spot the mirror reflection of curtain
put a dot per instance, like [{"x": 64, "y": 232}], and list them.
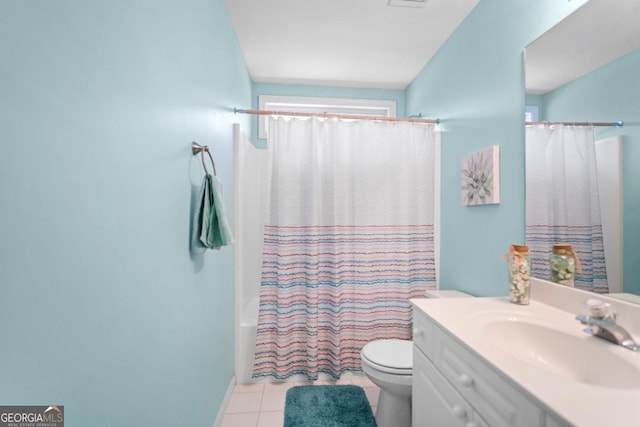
[
  {"x": 349, "y": 239},
  {"x": 562, "y": 201}
]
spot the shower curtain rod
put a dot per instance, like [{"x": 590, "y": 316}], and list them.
[
  {"x": 617, "y": 124},
  {"x": 335, "y": 115}
]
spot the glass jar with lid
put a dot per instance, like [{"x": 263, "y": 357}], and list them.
[
  {"x": 564, "y": 264},
  {"x": 519, "y": 263}
]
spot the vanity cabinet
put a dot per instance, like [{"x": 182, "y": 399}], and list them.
[
  {"x": 437, "y": 402},
  {"x": 452, "y": 386}
]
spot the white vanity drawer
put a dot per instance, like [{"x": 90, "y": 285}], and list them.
[
  {"x": 497, "y": 401},
  {"x": 423, "y": 333},
  {"x": 436, "y": 402}
]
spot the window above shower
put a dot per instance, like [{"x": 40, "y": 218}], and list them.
[{"x": 319, "y": 105}]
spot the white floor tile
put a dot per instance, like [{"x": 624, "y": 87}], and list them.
[
  {"x": 271, "y": 419},
  {"x": 240, "y": 420},
  {"x": 273, "y": 401},
  {"x": 363, "y": 382},
  {"x": 278, "y": 386},
  {"x": 372, "y": 395},
  {"x": 262, "y": 404},
  {"x": 249, "y": 388},
  {"x": 244, "y": 402},
  {"x": 350, "y": 375},
  {"x": 325, "y": 382}
]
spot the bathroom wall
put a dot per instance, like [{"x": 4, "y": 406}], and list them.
[
  {"x": 103, "y": 308},
  {"x": 475, "y": 85},
  {"x": 322, "y": 91},
  {"x": 611, "y": 93},
  {"x": 534, "y": 102}
]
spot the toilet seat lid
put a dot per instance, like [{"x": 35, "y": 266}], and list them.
[{"x": 390, "y": 353}]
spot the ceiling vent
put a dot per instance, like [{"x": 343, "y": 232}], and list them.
[{"x": 406, "y": 3}]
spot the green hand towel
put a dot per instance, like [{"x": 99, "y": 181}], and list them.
[{"x": 211, "y": 228}]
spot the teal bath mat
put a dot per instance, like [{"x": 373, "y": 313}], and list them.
[{"x": 327, "y": 406}]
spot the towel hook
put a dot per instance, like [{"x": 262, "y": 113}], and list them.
[{"x": 197, "y": 148}]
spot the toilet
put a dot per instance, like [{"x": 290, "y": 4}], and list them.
[{"x": 388, "y": 363}]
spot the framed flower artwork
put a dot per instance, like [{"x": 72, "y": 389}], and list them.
[{"x": 481, "y": 177}]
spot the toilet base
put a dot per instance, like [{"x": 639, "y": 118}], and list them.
[{"x": 393, "y": 410}]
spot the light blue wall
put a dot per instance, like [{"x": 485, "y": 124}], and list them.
[
  {"x": 322, "y": 91},
  {"x": 475, "y": 85},
  {"x": 536, "y": 100},
  {"x": 103, "y": 309},
  {"x": 611, "y": 93},
  {"x": 534, "y": 104}
]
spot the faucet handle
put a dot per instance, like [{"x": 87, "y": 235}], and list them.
[
  {"x": 582, "y": 319},
  {"x": 599, "y": 308}
]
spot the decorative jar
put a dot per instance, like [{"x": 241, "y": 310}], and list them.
[
  {"x": 519, "y": 263},
  {"x": 564, "y": 263}
]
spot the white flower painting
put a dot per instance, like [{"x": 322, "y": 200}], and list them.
[{"x": 481, "y": 177}]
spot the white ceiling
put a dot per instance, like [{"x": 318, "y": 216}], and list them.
[
  {"x": 367, "y": 43},
  {"x": 595, "y": 34},
  {"x": 357, "y": 43}
]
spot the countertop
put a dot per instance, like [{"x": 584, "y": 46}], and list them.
[{"x": 577, "y": 402}]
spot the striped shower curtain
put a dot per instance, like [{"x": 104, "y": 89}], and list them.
[
  {"x": 562, "y": 201},
  {"x": 349, "y": 239}
]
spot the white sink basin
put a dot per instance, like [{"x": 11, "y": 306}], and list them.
[{"x": 578, "y": 358}]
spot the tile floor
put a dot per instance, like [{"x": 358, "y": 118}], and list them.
[{"x": 262, "y": 405}]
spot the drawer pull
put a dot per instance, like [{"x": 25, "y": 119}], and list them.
[
  {"x": 465, "y": 380},
  {"x": 417, "y": 333},
  {"x": 458, "y": 412}
]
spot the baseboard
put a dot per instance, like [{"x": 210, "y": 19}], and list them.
[{"x": 225, "y": 403}]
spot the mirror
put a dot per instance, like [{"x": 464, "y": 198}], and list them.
[{"x": 585, "y": 70}]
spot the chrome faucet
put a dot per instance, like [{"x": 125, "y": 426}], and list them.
[{"x": 602, "y": 324}]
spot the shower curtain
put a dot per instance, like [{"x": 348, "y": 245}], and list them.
[
  {"x": 562, "y": 201},
  {"x": 349, "y": 238}
]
